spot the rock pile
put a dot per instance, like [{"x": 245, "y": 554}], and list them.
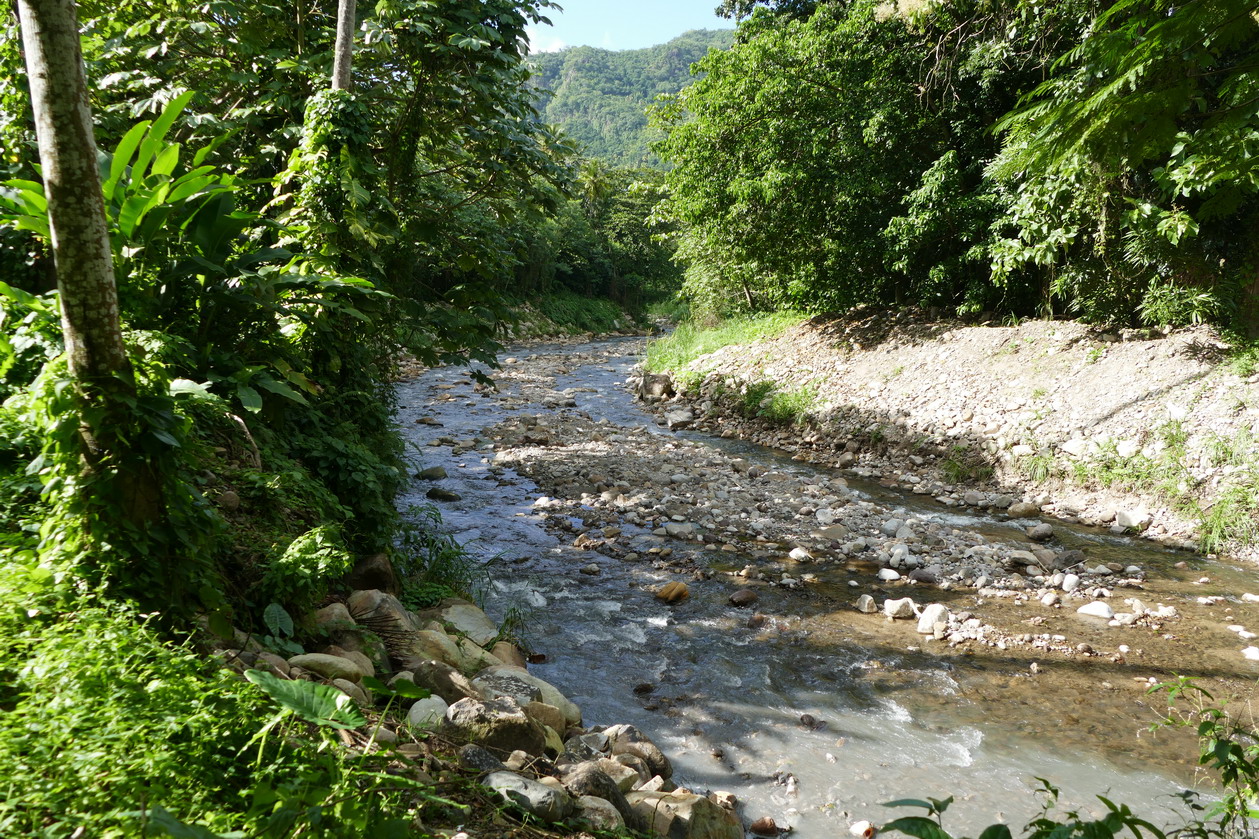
[{"x": 523, "y": 738}]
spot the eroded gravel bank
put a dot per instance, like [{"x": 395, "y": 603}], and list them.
[{"x": 1043, "y": 412}]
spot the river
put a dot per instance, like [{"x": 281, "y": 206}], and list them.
[{"x": 817, "y": 714}]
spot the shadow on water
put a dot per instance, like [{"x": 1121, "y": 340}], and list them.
[{"x": 890, "y": 717}]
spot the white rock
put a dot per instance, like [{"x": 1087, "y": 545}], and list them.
[
  {"x": 1070, "y": 583},
  {"x": 887, "y": 575},
  {"x": 1250, "y": 598},
  {"x": 866, "y": 604},
  {"x": 931, "y": 615},
  {"x": 799, "y": 554},
  {"x": 1251, "y": 653},
  {"x": 1097, "y": 609},
  {"x": 1051, "y": 599},
  {"x": 1133, "y": 519},
  {"x": 1076, "y": 447},
  {"x": 902, "y": 608}
]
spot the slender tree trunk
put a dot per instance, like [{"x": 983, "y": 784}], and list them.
[
  {"x": 80, "y": 244},
  {"x": 76, "y": 210},
  {"x": 345, "y": 45}
]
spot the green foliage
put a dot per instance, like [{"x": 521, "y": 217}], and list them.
[
  {"x": 300, "y": 574},
  {"x": 432, "y": 565},
  {"x": 316, "y": 703},
  {"x": 580, "y": 314},
  {"x": 691, "y": 340},
  {"x": 1132, "y": 168},
  {"x": 965, "y": 464},
  {"x": 788, "y": 407},
  {"x": 599, "y": 98}
]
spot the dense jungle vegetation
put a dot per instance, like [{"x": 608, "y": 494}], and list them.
[
  {"x": 277, "y": 245},
  {"x": 600, "y": 97},
  {"x": 1081, "y": 158}
]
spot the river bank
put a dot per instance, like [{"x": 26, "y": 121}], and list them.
[
  {"x": 1141, "y": 431},
  {"x": 767, "y": 679}
]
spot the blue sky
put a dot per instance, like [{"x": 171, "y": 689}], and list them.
[{"x": 623, "y": 24}]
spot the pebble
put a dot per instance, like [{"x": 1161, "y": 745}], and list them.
[{"x": 744, "y": 597}]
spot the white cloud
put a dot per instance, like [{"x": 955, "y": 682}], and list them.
[{"x": 542, "y": 42}]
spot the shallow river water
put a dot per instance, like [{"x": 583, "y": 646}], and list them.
[{"x": 726, "y": 701}]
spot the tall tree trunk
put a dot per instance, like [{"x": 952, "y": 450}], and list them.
[
  {"x": 76, "y": 210},
  {"x": 345, "y": 45},
  {"x": 81, "y": 254}
]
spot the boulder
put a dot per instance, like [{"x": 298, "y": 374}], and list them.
[
  {"x": 901, "y": 609},
  {"x": 466, "y": 619},
  {"x": 364, "y": 663},
  {"x": 380, "y": 611},
  {"x": 599, "y": 814},
  {"x": 426, "y": 713},
  {"x": 373, "y": 572},
  {"x": 1097, "y": 609},
  {"x": 547, "y": 715},
  {"x": 588, "y": 779},
  {"x": 496, "y": 724},
  {"x": 673, "y": 592},
  {"x": 931, "y": 615},
  {"x": 508, "y": 653},
  {"x": 439, "y": 679},
  {"x": 537, "y": 799},
  {"x": 479, "y": 759},
  {"x": 1040, "y": 532},
  {"x": 547, "y": 692},
  {"x": 679, "y": 418},
  {"x": 461, "y": 654},
  {"x": 328, "y": 666},
  {"x": 353, "y": 690},
  {"x": 331, "y": 618},
  {"x": 1133, "y": 519},
  {"x": 627, "y": 739},
  {"x": 1022, "y": 510},
  {"x": 684, "y": 815},
  {"x": 655, "y": 386}
]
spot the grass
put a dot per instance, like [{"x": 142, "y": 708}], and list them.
[
  {"x": 580, "y": 314},
  {"x": 690, "y": 341},
  {"x": 1230, "y": 518},
  {"x": 965, "y": 465}
]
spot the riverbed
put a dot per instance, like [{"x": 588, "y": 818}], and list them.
[{"x": 809, "y": 711}]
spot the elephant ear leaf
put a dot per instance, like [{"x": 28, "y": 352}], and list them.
[{"x": 322, "y": 705}]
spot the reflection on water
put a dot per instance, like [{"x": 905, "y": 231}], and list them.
[{"x": 726, "y": 701}]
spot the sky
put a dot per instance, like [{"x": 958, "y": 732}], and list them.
[{"x": 623, "y": 24}]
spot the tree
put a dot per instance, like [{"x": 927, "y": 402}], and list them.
[
  {"x": 98, "y": 361},
  {"x": 1134, "y": 169},
  {"x": 344, "y": 58}
]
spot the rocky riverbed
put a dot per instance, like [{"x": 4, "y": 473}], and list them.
[{"x": 804, "y": 636}]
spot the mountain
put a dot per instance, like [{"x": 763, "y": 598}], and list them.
[{"x": 599, "y": 96}]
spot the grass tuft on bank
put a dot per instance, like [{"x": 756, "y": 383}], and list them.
[{"x": 690, "y": 341}]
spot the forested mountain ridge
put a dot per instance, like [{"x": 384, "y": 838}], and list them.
[{"x": 599, "y": 97}]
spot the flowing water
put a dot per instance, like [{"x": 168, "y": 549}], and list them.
[{"x": 726, "y": 701}]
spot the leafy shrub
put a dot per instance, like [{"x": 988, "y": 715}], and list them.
[{"x": 299, "y": 576}]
